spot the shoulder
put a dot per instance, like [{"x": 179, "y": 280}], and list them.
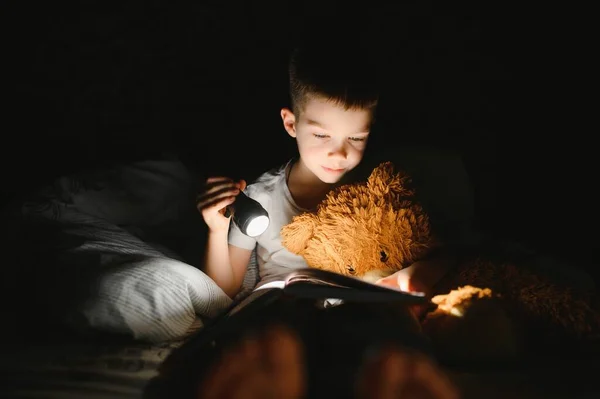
[
  {"x": 269, "y": 187},
  {"x": 269, "y": 181}
]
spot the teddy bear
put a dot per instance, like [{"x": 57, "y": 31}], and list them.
[
  {"x": 368, "y": 230},
  {"x": 485, "y": 309}
]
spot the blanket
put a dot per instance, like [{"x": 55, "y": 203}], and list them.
[
  {"x": 116, "y": 250},
  {"x": 79, "y": 369}
]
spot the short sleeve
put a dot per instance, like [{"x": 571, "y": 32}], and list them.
[{"x": 239, "y": 239}]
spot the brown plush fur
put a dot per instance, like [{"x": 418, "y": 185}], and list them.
[
  {"x": 457, "y": 302},
  {"x": 544, "y": 303},
  {"x": 471, "y": 325},
  {"x": 378, "y": 227},
  {"x": 372, "y": 225}
]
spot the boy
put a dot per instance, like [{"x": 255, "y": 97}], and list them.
[
  {"x": 333, "y": 103},
  {"x": 334, "y": 96},
  {"x": 333, "y": 100}
]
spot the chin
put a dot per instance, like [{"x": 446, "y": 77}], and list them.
[
  {"x": 325, "y": 176},
  {"x": 329, "y": 179}
]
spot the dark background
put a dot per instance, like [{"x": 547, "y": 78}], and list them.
[{"x": 501, "y": 82}]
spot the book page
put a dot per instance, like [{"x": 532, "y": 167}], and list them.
[
  {"x": 316, "y": 283},
  {"x": 323, "y": 277},
  {"x": 272, "y": 284}
]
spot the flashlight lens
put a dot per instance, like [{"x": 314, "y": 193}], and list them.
[{"x": 257, "y": 226}]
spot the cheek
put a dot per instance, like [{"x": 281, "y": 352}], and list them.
[
  {"x": 355, "y": 155},
  {"x": 310, "y": 149}
]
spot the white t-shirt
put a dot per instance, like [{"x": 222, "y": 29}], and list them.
[{"x": 272, "y": 192}]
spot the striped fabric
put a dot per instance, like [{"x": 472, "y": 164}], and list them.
[{"x": 115, "y": 240}]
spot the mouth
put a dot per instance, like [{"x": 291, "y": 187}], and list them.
[{"x": 333, "y": 170}]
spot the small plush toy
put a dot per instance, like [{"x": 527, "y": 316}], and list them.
[
  {"x": 470, "y": 325},
  {"x": 484, "y": 309}
]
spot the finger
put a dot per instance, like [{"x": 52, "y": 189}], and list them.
[
  {"x": 218, "y": 185},
  {"x": 212, "y": 188},
  {"x": 216, "y": 179},
  {"x": 208, "y": 200},
  {"x": 224, "y": 180},
  {"x": 399, "y": 282},
  {"x": 217, "y": 189},
  {"x": 223, "y": 205},
  {"x": 390, "y": 281},
  {"x": 242, "y": 184},
  {"x": 217, "y": 206}
]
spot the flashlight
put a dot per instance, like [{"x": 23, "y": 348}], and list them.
[{"x": 249, "y": 215}]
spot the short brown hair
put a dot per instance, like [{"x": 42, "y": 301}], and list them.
[{"x": 343, "y": 75}]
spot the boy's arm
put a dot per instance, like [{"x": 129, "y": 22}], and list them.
[{"x": 225, "y": 264}]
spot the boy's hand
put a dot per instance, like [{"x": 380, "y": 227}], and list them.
[
  {"x": 406, "y": 280},
  {"x": 219, "y": 192}
]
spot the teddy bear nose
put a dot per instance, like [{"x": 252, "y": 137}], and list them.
[{"x": 383, "y": 256}]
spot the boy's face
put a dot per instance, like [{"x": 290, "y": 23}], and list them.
[{"x": 331, "y": 140}]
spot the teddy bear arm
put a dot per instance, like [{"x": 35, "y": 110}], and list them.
[{"x": 296, "y": 235}]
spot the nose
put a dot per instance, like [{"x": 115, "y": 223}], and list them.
[{"x": 338, "y": 150}]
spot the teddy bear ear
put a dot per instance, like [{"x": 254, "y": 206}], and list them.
[
  {"x": 384, "y": 178},
  {"x": 383, "y": 172},
  {"x": 296, "y": 234}
]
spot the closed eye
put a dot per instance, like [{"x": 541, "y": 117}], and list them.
[{"x": 350, "y": 269}]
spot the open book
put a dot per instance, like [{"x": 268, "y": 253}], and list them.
[
  {"x": 321, "y": 284},
  {"x": 263, "y": 306}
]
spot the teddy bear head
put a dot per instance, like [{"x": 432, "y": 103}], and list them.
[{"x": 368, "y": 229}]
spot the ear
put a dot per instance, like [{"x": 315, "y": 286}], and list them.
[
  {"x": 289, "y": 121},
  {"x": 296, "y": 234},
  {"x": 384, "y": 179}
]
